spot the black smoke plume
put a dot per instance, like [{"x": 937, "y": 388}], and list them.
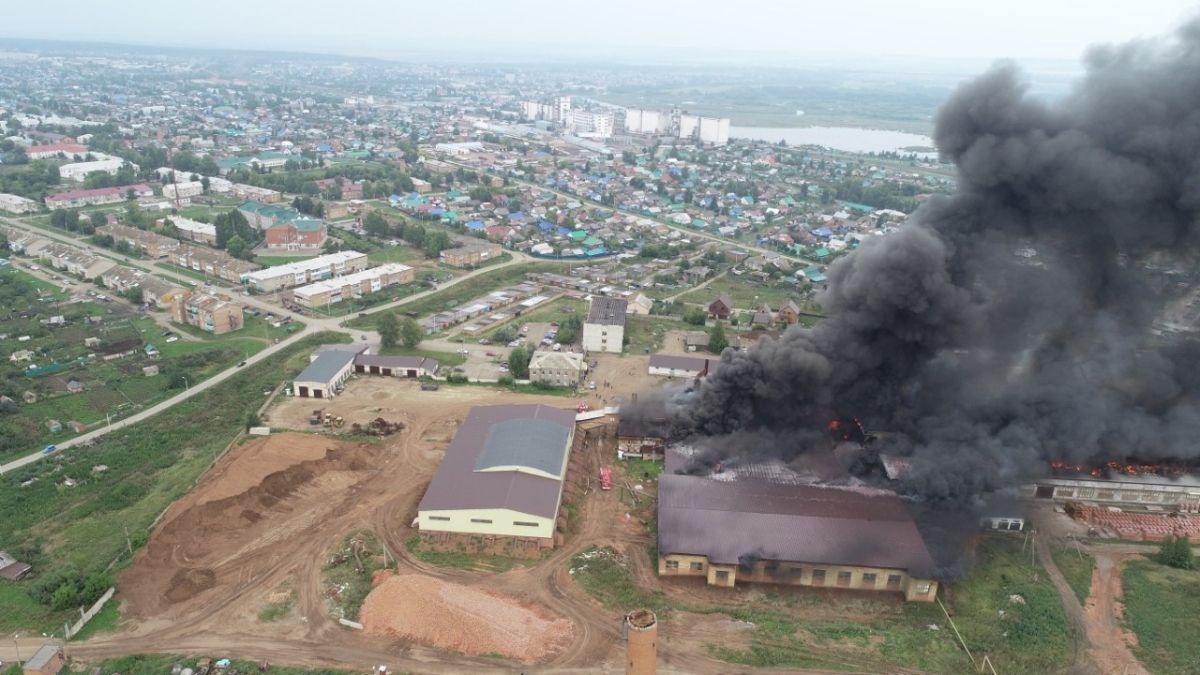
[{"x": 1019, "y": 319}]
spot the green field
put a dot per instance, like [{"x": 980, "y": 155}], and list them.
[
  {"x": 1076, "y": 566},
  {"x": 644, "y": 334},
  {"x": 463, "y": 291},
  {"x": 1029, "y": 635},
  {"x": 546, "y": 313},
  {"x": 1160, "y": 608},
  {"x": 273, "y": 260},
  {"x": 463, "y": 559},
  {"x": 395, "y": 254},
  {"x": 149, "y": 466},
  {"x": 745, "y": 293}
]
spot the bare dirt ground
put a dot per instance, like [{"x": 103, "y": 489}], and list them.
[
  {"x": 1109, "y": 643},
  {"x": 1106, "y": 645},
  {"x": 266, "y": 516},
  {"x": 461, "y": 618}
]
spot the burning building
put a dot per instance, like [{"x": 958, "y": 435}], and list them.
[
  {"x": 639, "y": 439},
  {"x": 753, "y": 528},
  {"x": 1129, "y": 486}
]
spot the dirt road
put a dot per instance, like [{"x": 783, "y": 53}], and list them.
[{"x": 1108, "y": 642}]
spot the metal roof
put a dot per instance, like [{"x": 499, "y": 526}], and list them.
[
  {"x": 607, "y": 311},
  {"x": 532, "y": 443},
  {"x": 459, "y": 484},
  {"x": 728, "y": 520},
  {"x": 326, "y": 366},
  {"x": 401, "y": 362},
  {"x": 41, "y": 658}
]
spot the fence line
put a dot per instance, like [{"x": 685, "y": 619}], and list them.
[{"x": 87, "y": 616}]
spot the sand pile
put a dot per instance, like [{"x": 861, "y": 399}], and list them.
[{"x": 461, "y": 618}]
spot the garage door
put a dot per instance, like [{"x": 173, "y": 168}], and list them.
[
  {"x": 412, "y": 373},
  {"x": 303, "y": 392},
  {"x": 1045, "y": 492},
  {"x": 317, "y": 393}
]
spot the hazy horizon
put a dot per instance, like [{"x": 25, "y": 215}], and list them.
[{"x": 854, "y": 33}]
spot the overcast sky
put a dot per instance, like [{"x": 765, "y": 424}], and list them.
[{"x": 796, "y": 30}]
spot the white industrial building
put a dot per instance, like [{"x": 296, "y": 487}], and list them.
[
  {"x": 713, "y": 130},
  {"x": 646, "y": 121},
  {"x": 195, "y": 230},
  {"x": 604, "y": 328},
  {"x": 188, "y": 189},
  {"x": 78, "y": 171},
  {"x": 592, "y": 123},
  {"x": 306, "y": 271},
  {"x": 17, "y": 204}
]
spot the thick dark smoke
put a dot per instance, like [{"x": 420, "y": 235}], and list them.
[{"x": 1012, "y": 322}]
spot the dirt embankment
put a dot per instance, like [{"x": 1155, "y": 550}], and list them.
[
  {"x": 461, "y": 618},
  {"x": 202, "y": 538}
]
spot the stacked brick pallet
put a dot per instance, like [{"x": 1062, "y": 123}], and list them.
[{"x": 1138, "y": 526}]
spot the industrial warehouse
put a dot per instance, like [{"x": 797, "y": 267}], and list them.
[
  {"x": 727, "y": 528},
  {"x": 502, "y": 475}
]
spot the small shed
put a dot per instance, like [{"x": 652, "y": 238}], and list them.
[
  {"x": 47, "y": 660},
  {"x": 150, "y": 371},
  {"x": 54, "y": 426}
]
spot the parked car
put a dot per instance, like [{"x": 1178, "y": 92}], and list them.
[
  {"x": 49, "y": 449},
  {"x": 484, "y": 341},
  {"x": 172, "y": 339},
  {"x": 240, "y": 364}
]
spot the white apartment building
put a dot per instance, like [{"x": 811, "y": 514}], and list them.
[
  {"x": 592, "y": 123},
  {"x": 185, "y": 190},
  {"x": 78, "y": 171},
  {"x": 17, "y": 204},
  {"x": 306, "y": 271}
]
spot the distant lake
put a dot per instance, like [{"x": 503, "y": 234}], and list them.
[{"x": 847, "y": 139}]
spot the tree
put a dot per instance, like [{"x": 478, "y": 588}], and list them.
[
  {"x": 411, "y": 333},
  {"x": 389, "y": 330},
  {"x": 518, "y": 362},
  {"x": 694, "y": 316},
  {"x": 717, "y": 342},
  {"x": 1176, "y": 552},
  {"x": 238, "y": 248},
  {"x": 98, "y": 219},
  {"x": 376, "y": 225}
]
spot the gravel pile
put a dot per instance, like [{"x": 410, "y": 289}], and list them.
[{"x": 460, "y": 618}]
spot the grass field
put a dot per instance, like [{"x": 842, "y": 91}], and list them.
[
  {"x": 465, "y": 560},
  {"x": 463, "y": 291},
  {"x": 150, "y": 465},
  {"x": 745, "y": 293},
  {"x": 105, "y": 622},
  {"x": 549, "y": 312},
  {"x": 1027, "y": 636},
  {"x": 273, "y": 260},
  {"x": 192, "y": 274},
  {"x": 1076, "y": 566},
  {"x": 1160, "y": 608},
  {"x": 395, "y": 254},
  {"x": 644, "y": 333}
]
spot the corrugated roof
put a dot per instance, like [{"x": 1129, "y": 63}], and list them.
[
  {"x": 326, "y": 366},
  {"x": 458, "y": 485},
  {"x": 607, "y": 311},
  {"x": 727, "y": 520},
  {"x": 537, "y": 444},
  {"x": 404, "y": 362}
]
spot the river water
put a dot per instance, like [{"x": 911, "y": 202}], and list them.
[{"x": 846, "y": 139}]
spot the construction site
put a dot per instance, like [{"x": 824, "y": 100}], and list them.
[{"x": 268, "y": 514}]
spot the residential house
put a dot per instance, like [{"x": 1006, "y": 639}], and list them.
[
  {"x": 559, "y": 369},
  {"x": 604, "y": 328},
  {"x": 212, "y": 312},
  {"x": 721, "y": 307}
]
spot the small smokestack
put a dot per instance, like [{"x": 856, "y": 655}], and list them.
[{"x": 641, "y": 642}]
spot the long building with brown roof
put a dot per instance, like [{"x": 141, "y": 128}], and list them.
[
  {"x": 502, "y": 474},
  {"x": 730, "y": 529}
]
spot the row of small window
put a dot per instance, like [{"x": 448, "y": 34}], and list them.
[
  {"x": 1112, "y": 495},
  {"x": 818, "y": 575},
  {"x": 483, "y": 521}
]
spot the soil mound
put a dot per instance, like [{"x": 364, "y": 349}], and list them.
[
  {"x": 188, "y": 583},
  {"x": 461, "y": 618}
]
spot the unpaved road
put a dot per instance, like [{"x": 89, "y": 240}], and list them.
[
  {"x": 268, "y": 514},
  {"x": 1108, "y": 641}
]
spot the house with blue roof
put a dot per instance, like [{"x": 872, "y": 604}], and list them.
[{"x": 475, "y": 225}]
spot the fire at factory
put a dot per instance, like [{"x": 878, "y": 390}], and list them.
[{"x": 979, "y": 375}]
